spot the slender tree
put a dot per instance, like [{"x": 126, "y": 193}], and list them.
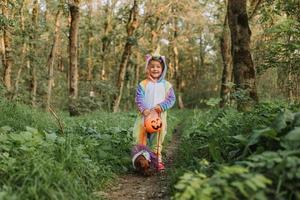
[
  {"x": 225, "y": 47},
  {"x": 7, "y": 57},
  {"x": 177, "y": 68},
  {"x": 106, "y": 39},
  {"x": 73, "y": 57},
  {"x": 243, "y": 68},
  {"x": 89, "y": 41},
  {"x": 33, "y": 58},
  {"x": 52, "y": 57},
  {"x": 131, "y": 27},
  {"x": 23, "y": 53}
]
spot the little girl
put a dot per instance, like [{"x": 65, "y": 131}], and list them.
[{"x": 153, "y": 93}]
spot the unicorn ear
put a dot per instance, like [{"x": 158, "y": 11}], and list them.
[
  {"x": 163, "y": 58},
  {"x": 148, "y": 56}
]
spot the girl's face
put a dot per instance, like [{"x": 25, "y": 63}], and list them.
[{"x": 155, "y": 69}]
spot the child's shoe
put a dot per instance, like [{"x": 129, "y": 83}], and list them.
[{"x": 160, "y": 166}]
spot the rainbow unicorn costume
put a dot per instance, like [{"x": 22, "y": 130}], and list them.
[{"x": 149, "y": 94}]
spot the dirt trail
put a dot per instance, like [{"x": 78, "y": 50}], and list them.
[{"x": 135, "y": 187}]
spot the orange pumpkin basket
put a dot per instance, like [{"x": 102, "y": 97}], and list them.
[{"x": 153, "y": 122}]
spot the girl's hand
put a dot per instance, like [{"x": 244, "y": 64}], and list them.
[
  {"x": 158, "y": 109},
  {"x": 146, "y": 112}
]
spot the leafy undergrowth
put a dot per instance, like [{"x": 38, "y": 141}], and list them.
[
  {"x": 37, "y": 161},
  {"x": 225, "y": 154}
]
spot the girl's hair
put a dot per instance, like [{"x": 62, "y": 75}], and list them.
[{"x": 157, "y": 58}]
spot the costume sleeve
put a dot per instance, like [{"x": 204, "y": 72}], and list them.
[
  {"x": 140, "y": 98},
  {"x": 169, "y": 100}
]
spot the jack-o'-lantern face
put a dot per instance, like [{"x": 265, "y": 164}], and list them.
[
  {"x": 156, "y": 124},
  {"x": 153, "y": 122}
]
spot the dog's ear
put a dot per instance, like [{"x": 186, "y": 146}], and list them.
[
  {"x": 146, "y": 164},
  {"x": 137, "y": 164}
]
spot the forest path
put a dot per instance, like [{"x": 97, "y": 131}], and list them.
[{"x": 133, "y": 186}]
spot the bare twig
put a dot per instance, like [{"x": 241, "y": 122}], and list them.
[{"x": 57, "y": 118}]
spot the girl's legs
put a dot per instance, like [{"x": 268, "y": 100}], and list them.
[
  {"x": 139, "y": 134},
  {"x": 155, "y": 140}
]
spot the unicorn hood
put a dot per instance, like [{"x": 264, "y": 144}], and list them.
[{"x": 157, "y": 57}]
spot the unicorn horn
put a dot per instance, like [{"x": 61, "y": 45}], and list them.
[{"x": 156, "y": 52}]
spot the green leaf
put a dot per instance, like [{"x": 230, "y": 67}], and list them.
[
  {"x": 105, "y": 137},
  {"x": 282, "y": 120},
  {"x": 61, "y": 140},
  {"x": 213, "y": 102},
  {"x": 21, "y": 137},
  {"x": 241, "y": 138},
  {"x": 251, "y": 184},
  {"x": 31, "y": 130},
  {"x": 51, "y": 137},
  {"x": 215, "y": 152},
  {"x": 102, "y": 154},
  {"x": 235, "y": 169},
  {"x": 240, "y": 187},
  {"x": 5, "y": 129},
  {"x": 107, "y": 147},
  {"x": 3, "y": 138},
  {"x": 257, "y": 134},
  {"x": 296, "y": 121},
  {"x": 293, "y": 135}
]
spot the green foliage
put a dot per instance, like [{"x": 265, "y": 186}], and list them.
[
  {"x": 282, "y": 51},
  {"x": 19, "y": 116},
  {"x": 41, "y": 163},
  {"x": 276, "y": 48},
  {"x": 33, "y": 161},
  {"x": 213, "y": 102},
  {"x": 230, "y": 182},
  {"x": 264, "y": 143},
  {"x": 282, "y": 167}
]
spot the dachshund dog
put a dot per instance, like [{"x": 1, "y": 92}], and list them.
[
  {"x": 142, "y": 165},
  {"x": 143, "y": 160}
]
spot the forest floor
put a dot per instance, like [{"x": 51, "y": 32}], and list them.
[{"x": 133, "y": 186}]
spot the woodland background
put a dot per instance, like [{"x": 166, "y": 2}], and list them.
[
  {"x": 235, "y": 66},
  {"x": 89, "y": 55}
]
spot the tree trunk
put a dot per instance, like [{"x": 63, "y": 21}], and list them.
[
  {"x": 290, "y": 85},
  {"x": 7, "y": 51},
  {"x": 106, "y": 39},
  {"x": 155, "y": 34},
  {"x": 34, "y": 37},
  {"x": 23, "y": 55},
  {"x": 202, "y": 47},
  {"x": 51, "y": 59},
  {"x": 2, "y": 51},
  {"x": 137, "y": 69},
  {"x": 227, "y": 64},
  {"x": 90, "y": 38},
  {"x": 73, "y": 69},
  {"x": 243, "y": 68},
  {"x": 178, "y": 77},
  {"x": 131, "y": 27}
]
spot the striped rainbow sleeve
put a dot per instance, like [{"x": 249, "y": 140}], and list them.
[
  {"x": 140, "y": 98},
  {"x": 169, "y": 100}
]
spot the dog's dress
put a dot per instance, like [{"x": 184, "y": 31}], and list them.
[{"x": 149, "y": 94}]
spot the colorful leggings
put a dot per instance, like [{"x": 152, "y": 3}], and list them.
[{"x": 150, "y": 140}]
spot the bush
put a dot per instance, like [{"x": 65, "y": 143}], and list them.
[
  {"x": 264, "y": 141},
  {"x": 43, "y": 163}
]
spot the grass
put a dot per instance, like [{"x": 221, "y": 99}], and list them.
[{"x": 38, "y": 162}]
